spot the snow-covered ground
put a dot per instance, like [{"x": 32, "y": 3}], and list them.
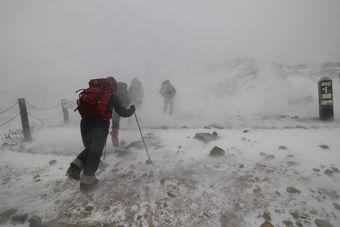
[
  {"x": 281, "y": 164},
  {"x": 254, "y": 180}
]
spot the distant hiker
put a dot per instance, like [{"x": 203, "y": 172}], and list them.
[
  {"x": 168, "y": 92},
  {"x": 136, "y": 93},
  {"x": 123, "y": 95},
  {"x": 95, "y": 105}
]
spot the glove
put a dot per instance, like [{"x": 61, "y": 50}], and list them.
[{"x": 133, "y": 108}]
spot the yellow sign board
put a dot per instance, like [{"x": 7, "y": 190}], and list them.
[
  {"x": 326, "y": 96},
  {"x": 329, "y": 83},
  {"x": 326, "y": 102}
]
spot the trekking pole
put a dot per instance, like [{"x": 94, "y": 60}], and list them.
[
  {"x": 147, "y": 152},
  {"x": 104, "y": 150}
]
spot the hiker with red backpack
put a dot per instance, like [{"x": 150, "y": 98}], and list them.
[{"x": 95, "y": 105}]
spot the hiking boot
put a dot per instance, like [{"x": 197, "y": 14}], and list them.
[
  {"x": 88, "y": 183},
  {"x": 73, "y": 172},
  {"x": 116, "y": 149}
]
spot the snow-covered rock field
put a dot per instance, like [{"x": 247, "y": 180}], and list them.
[{"x": 279, "y": 175}]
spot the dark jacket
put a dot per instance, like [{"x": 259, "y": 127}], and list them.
[
  {"x": 168, "y": 91},
  {"x": 136, "y": 91},
  {"x": 116, "y": 104}
]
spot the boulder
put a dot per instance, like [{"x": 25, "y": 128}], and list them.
[
  {"x": 267, "y": 216},
  {"x": 6, "y": 215},
  {"x": 288, "y": 223},
  {"x": 19, "y": 219},
  {"x": 292, "y": 190},
  {"x": 329, "y": 172},
  {"x": 336, "y": 206},
  {"x": 267, "y": 224},
  {"x": 206, "y": 137},
  {"x": 324, "y": 146},
  {"x": 217, "y": 151},
  {"x": 322, "y": 223},
  {"x": 36, "y": 221}
]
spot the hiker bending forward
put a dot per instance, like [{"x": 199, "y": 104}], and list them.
[
  {"x": 123, "y": 95},
  {"x": 94, "y": 134},
  {"x": 136, "y": 92},
  {"x": 168, "y": 92}
]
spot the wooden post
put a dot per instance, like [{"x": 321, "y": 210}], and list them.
[
  {"x": 65, "y": 110},
  {"x": 24, "y": 119}
]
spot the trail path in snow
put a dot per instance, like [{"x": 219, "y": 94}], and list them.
[{"x": 281, "y": 176}]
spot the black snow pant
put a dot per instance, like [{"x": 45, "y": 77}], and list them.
[{"x": 94, "y": 134}]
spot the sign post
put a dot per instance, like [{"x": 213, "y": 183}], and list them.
[{"x": 326, "y": 111}]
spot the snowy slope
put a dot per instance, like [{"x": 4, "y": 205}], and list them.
[
  {"x": 281, "y": 164},
  {"x": 184, "y": 186},
  {"x": 249, "y": 89}
]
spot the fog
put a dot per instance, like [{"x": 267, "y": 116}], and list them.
[
  {"x": 246, "y": 75},
  {"x": 49, "y": 49}
]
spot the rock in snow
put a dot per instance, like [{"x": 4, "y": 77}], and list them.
[
  {"x": 322, "y": 223},
  {"x": 292, "y": 190},
  {"x": 217, "y": 151},
  {"x": 206, "y": 137}
]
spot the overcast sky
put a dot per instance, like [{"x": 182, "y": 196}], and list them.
[{"x": 64, "y": 39}]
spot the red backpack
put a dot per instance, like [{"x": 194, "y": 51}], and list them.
[{"x": 93, "y": 100}]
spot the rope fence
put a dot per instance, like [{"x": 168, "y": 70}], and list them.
[
  {"x": 41, "y": 108},
  {"x": 24, "y": 113},
  {"x": 45, "y": 119},
  {"x": 5, "y": 123},
  {"x": 7, "y": 109}
]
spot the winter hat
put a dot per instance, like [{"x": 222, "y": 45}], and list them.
[{"x": 113, "y": 81}]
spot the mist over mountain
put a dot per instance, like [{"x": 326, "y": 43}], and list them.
[
  {"x": 54, "y": 48},
  {"x": 220, "y": 93},
  {"x": 247, "y": 88}
]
